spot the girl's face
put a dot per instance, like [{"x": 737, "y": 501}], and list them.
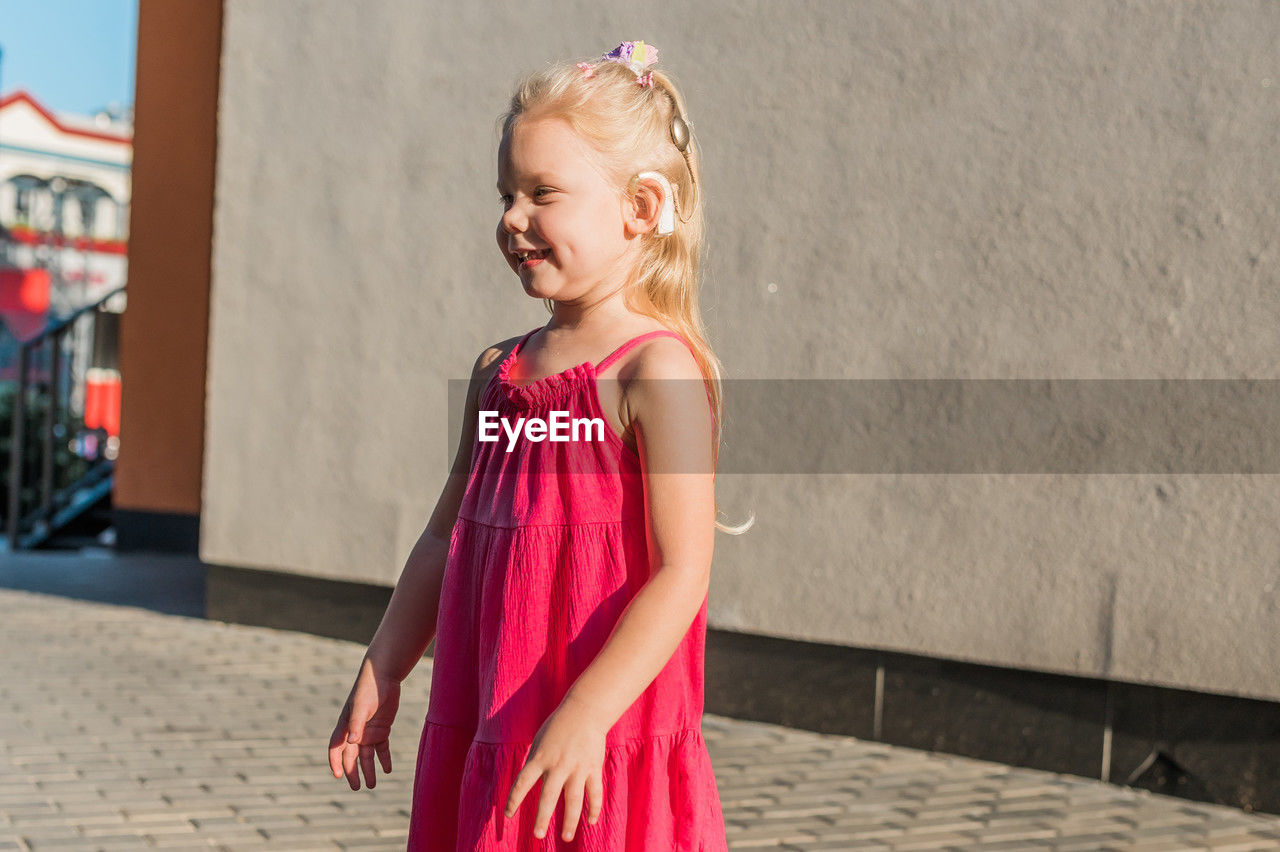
[{"x": 557, "y": 204}]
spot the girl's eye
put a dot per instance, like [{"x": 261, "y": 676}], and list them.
[{"x": 505, "y": 200}]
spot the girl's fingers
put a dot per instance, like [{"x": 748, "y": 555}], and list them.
[
  {"x": 335, "y": 750},
  {"x": 335, "y": 761},
  {"x": 595, "y": 798},
  {"x": 551, "y": 786},
  {"x": 366, "y": 763},
  {"x": 572, "y": 808},
  {"x": 524, "y": 780},
  {"x": 384, "y": 754},
  {"x": 349, "y": 754},
  {"x": 336, "y": 741}
]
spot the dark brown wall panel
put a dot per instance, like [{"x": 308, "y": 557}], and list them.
[{"x": 164, "y": 329}]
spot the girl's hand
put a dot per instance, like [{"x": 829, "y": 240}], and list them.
[
  {"x": 364, "y": 727},
  {"x": 567, "y": 753}
]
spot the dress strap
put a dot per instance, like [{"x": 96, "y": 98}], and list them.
[
  {"x": 635, "y": 341},
  {"x": 522, "y": 340}
]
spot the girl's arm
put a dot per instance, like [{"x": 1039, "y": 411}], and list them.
[
  {"x": 409, "y": 623},
  {"x": 673, "y": 427}
]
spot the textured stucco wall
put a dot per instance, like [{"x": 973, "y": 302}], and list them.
[{"x": 895, "y": 190}]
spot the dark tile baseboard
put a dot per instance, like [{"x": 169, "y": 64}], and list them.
[
  {"x": 156, "y": 532},
  {"x": 333, "y": 608},
  {"x": 1200, "y": 746},
  {"x": 1205, "y": 747}
]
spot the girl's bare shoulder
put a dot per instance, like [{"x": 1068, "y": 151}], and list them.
[
  {"x": 662, "y": 356},
  {"x": 491, "y": 356}
]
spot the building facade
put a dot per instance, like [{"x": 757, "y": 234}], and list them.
[
  {"x": 65, "y": 188},
  {"x": 894, "y": 191}
]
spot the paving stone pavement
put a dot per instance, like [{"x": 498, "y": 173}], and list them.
[{"x": 124, "y": 728}]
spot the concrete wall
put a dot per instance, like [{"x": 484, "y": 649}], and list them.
[{"x": 894, "y": 189}]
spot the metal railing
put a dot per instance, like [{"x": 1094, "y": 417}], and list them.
[{"x": 57, "y": 501}]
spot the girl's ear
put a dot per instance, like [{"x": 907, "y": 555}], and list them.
[{"x": 644, "y": 207}]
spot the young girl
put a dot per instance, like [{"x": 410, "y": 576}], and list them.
[{"x": 565, "y": 581}]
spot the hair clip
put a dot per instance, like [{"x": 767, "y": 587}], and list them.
[{"x": 636, "y": 55}]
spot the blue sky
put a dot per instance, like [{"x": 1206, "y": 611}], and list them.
[{"x": 71, "y": 55}]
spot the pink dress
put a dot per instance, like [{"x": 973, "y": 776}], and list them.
[{"x": 549, "y": 548}]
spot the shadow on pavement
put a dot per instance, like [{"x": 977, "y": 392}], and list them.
[{"x": 167, "y": 583}]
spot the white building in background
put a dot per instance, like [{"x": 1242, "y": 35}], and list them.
[
  {"x": 64, "y": 197},
  {"x": 65, "y": 184}
]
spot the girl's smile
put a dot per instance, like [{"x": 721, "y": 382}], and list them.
[{"x": 529, "y": 261}]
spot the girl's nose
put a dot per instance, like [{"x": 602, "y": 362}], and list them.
[{"x": 513, "y": 221}]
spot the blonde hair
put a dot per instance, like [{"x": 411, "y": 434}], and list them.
[{"x": 629, "y": 126}]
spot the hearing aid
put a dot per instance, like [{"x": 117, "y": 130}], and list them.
[{"x": 667, "y": 217}]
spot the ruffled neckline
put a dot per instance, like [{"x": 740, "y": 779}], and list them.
[{"x": 543, "y": 391}]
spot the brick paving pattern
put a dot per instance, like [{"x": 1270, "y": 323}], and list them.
[{"x": 123, "y": 728}]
